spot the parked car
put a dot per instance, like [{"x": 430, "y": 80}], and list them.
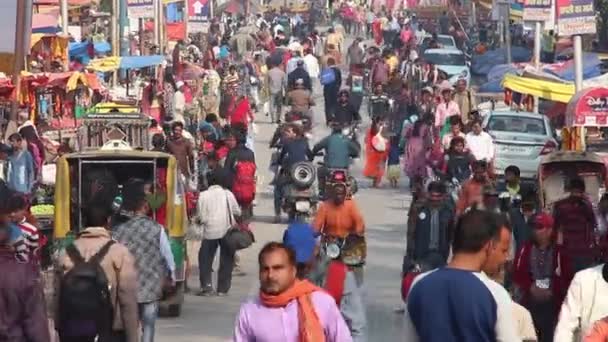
[
  {"x": 451, "y": 61},
  {"x": 521, "y": 139}
]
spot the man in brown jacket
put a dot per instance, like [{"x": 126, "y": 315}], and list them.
[{"x": 118, "y": 265}]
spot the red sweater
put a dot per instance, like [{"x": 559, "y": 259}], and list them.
[{"x": 562, "y": 274}]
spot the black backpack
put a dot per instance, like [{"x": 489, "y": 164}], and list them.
[{"x": 85, "y": 304}]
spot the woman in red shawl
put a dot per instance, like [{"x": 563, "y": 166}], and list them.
[
  {"x": 375, "y": 155},
  {"x": 377, "y": 31}
]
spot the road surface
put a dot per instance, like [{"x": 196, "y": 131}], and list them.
[{"x": 211, "y": 319}]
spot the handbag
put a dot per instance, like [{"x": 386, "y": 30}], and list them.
[{"x": 237, "y": 237}]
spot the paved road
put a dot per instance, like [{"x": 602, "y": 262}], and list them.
[{"x": 212, "y": 319}]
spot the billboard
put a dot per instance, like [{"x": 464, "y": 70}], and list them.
[
  {"x": 575, "y": 17},
  {"x": 198, "y": 15},
  {"x": 537, "y": 10},
  {"x": 140, "y": 8}
]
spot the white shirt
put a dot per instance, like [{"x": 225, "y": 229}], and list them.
[
  {"x": 481, "y": 146},
  {"x": 312, "y": 65},
  {"x": 216, "y": 210},
  {"x": 179, "y": 102},
  {"x": 586, "y": 302}
]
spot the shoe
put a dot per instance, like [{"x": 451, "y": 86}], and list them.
[
  {"x": 222, "y": 294},
  {"x": 206, "y": 292}
]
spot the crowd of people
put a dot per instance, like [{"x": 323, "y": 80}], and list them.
[{"x": 483, "y": 261}]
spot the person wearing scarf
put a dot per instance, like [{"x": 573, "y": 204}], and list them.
[{"x": 288, "y": 309}]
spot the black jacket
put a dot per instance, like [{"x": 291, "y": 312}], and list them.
[
  {"x": 296, "y": 74},
  {"x": 346, "y": 114}
]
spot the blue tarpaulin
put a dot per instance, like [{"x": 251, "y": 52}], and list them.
[
  {"x": 80, "y": 50},
  {"x": 591, "y": 68},
  {"x": 482, "y": 64},
  {"x": 136, "y": 62}
]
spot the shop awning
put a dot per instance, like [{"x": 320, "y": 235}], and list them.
[
  {"x": 548, "y": 90},
  {"x": 588, "y": 107},
  {"x": 45, "y": 23},
  {"x": 128, "y": 62}
]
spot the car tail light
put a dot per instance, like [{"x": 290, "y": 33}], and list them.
[{"x": 549, "y": 147}]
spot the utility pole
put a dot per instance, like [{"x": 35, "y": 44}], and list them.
[
  {"x": 22, "y": 39},
  {"x": 115, "y": 39},
  {"x": 578, "y": 79},
  {"x": 156, "y": 22},
  {"x": 64, "y": 17},
  {"x": 508, "y": 32},
  {"x": 537, "y": 29}
]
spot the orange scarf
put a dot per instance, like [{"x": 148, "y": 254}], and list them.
[{"x": 310, "y": 326}]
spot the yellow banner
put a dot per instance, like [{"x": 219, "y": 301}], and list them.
[
  {"x": 104, "y": 64},
  {"x": 553, "y": 91}
]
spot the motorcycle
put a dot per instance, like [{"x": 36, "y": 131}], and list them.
[
  {"x": 351, "y": 250},
  {"x": 299, "y": 195}
]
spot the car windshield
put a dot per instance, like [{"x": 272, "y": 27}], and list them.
[
  {"x": 445, "y": 58},
  {"x": 445, "y": 41},
  {"x": 517, "y": 124}
]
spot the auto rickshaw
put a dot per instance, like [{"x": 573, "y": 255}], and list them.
[
  {"x": 82, "y": 175},
  {"x": 557, "y": 168}
]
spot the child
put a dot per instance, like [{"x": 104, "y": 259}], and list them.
[
  {"x": 19, "y": 207},
  {"x": 458, "y": 164},
  {"x": 394, "y": 170}
]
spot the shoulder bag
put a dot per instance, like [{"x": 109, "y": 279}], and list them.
[{"x": 237, "y": 237}]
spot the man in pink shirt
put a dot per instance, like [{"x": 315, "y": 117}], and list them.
[
  {"x": 288, "y": 309},
  {"x": 446, "y": 108}
]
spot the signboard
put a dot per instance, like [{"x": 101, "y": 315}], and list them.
[
  {"x": 537, "y": 10},
  {"x": 588, "y": 107},
  {"x": 140, "y": 8},
  {"x": 575, "y": 17},
  {"x": 198, "y": 15}
]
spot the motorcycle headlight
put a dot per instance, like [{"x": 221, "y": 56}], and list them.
[{"x": 464, "y": 73}]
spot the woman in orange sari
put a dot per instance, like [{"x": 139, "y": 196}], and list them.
[{"x": 376, "y": 153}]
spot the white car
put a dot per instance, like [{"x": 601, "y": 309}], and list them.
[
  {"x": 445, "y": 41},
  {"x": 450, "y": 61},
  {"x": 520, "y": 139}
]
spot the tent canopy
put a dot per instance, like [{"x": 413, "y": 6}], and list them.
[{"x": 128, "y": 62}]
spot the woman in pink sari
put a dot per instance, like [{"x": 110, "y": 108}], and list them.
[{"x": 417, "y": 145}]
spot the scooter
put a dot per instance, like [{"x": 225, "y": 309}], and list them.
[{"x": 299, "y": 196}]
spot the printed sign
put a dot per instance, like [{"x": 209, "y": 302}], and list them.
[
  {"x": 140, "y": 8},
  {"x": 588, "y": 108},
  {"x": 537, "y": 10},
  {"x": 575, "y": 17},
  {"x": 198, "y": 15}
]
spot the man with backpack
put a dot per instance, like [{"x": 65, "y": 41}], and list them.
[
  {"x": 103, "y": 305},
  {"x": 147, "y": 240},
  {"x": 331, "y": 79},
  {"x": 240, "y": 164}
]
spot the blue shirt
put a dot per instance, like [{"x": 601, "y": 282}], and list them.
[
  {"x": 453, "y": 305},
  {"x": 20, "y": 176}
]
